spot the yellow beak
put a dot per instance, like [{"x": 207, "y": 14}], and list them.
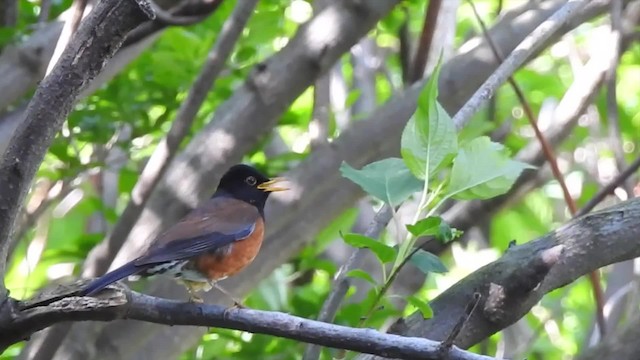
[{"x": 268, "y": 186}]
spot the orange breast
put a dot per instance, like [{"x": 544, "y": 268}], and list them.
[{"x": 241, "y": 254}]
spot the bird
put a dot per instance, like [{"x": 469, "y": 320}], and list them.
[{"x": 212, "y": 242}]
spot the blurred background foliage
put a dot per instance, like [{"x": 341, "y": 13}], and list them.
[{"x": 133, "y": 112}]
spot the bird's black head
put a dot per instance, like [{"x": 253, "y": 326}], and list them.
[{"x": 245, "y": 183}]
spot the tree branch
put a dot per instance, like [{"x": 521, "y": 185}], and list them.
[
  {"x": 341, "y": 282},
  {"x": 124, "y": 304},
  {"x": 508, "y": 288},
  {"x": 511, "y": 285},
  {"x": 426, "y": 39},
  {"x": 69, "y": 28},
  {"x": 96, "y": 41},
  {"x": 548, "y": 152},
  {"x": 518, "y": 56}
]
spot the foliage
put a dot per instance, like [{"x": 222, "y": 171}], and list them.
[{"x": 111, "y": 133}]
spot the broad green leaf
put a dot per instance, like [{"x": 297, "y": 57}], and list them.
[
  {"x": 422, "y": 306},
  {"x": 429, "y": 141},
  {"x": 482, "y": 169},
  {"x": 388, "y": 180},
  {"x": 427, "y": 262},
  {"x": 361, "y": 274},
  {"x": 426, "y": 227},
  {"x": 384, "y": 252}
]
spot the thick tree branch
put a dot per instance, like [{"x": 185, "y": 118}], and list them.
[
  {"x": 124, "y": 304},
  {"x": 96, "y": 41},
  {"x": 511, "y": 285}
]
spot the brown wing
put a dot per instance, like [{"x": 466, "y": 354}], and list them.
[{"x": 215, "y": 224}]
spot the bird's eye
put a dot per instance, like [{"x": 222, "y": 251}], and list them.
[{"x": 250, "y": 180}]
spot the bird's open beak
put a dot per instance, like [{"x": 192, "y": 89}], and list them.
[{"x": 268, "y": 186}]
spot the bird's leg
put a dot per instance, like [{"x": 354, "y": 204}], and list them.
[
  {"x": 236, "y": 303},
  {"x": 193, "y": 297}
]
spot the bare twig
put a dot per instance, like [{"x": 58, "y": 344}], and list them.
[
  {"x": 187, "y": 12},
  {"x": 613, "y": 116},
  {"x": 100, "y": 258},
  {"x": 319, "y": 124},
  {"x": 341, "y": 282},
  {"x": 169, "y": 18},
  {"x": 70, "y": 27},
  {"x": 30, "y": 216},
  {"x": 45, "y": 10},
  {"x": 82, "y": 60},
  {"x": 517, "y": 57},
  {"x": 608, "y": 189},
  {"x": 426, "y": 39},
  {"x": 551, "y": 159},
  {"x": 404, "y": 36},
  {"x": 8, "y": 13},
  {"x": 464, "y": 317}
]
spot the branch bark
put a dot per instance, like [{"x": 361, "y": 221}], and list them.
[
  {"x": 426, "y": 39},
  {"x": 509, "y": 286},
  {"x": 514, "y": 283},
  {"x": 341, "y": 282},
  {"x": 124, "y": 304},
  {"x": 530, "y": 45},
  {"x": 96, "y": 41}
]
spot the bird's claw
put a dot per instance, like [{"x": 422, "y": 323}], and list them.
[{"x": 196, "y": 299}]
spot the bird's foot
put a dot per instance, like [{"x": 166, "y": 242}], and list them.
[
  {"x": 237, "y": 304},
  {"x": 193, "y": 298}
]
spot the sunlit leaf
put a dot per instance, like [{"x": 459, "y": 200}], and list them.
[
  {"x": 384, "y": 252},
  {"x": 388, "y": 180},
  {"x": 429, "y": 141},
  {"x": 427, "y": 262},
  {"x": 426, "y": 227},
  {"x": 482, "y": 169},
  {"x": 422, "y": 306},
  {"x": 361, "y": 274}
]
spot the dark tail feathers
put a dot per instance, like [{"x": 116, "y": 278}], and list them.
[{"x": 109, "y": 278}]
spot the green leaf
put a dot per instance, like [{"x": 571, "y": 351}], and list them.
[
  {"x": 422, "y": 306},
  {"x": 426, "y": 227},
  {"x": 388, "y": 180},
  {"x": 361, "y": 274},
  {"x": 353, "y": 96},
  {"x": 384, "y": 252},
  {"x": 482, "y": 169},
  {"x": 427, "y": 262},
  {"x": 429, "y": 141}
]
